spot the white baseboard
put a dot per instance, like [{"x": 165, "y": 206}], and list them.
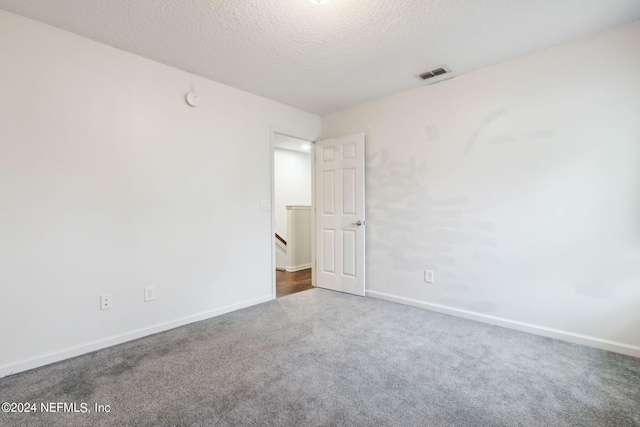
[
  {"x": 298, "y": 267},
  {"x": 616, "y": 347},
  {"x": 36, "y": 362}
]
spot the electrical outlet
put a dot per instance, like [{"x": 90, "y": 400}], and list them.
[
  {"x": 428, "y": 276},
  {"x": 149, "y": 293},
  {"x": 105, "y": 301}
]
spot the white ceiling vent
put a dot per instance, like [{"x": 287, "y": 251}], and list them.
[{"x": 434, "y": 73}]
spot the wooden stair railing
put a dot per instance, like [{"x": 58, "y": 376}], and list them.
[{"x": 284, "y": 242}]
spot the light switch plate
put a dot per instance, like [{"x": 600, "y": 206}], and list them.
[
  {"x": 428, "y": 276},
  {"x": 265, "y": 205}
]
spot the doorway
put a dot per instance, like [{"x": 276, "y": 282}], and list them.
[{"x": 292, "y": 214}]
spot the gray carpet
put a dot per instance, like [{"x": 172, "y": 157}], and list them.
[{"x": 320, "y": 358}]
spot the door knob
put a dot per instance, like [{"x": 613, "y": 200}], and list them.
[{"x": 359, "y": 223}]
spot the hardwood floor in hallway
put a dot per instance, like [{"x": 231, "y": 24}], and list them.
[{"x": 289, "y": 283}]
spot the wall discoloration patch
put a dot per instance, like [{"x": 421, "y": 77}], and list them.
[
  {"x": 490, "y": 242},
  {"x": 490, "y": 118},
  {"x": 485, "y": 257},
  {"x": 540, "y": 134},
  {"x": 484, "y": 225},
  {"x": 454, "y": 237},
  {"x": 433, "y": 133},
  {"x": 414, "y": 230},
  {"x": 504, "y": 139},
  {"x": 595, "y": 289}
]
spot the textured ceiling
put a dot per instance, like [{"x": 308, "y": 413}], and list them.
[{"x": 333, "y": 56}]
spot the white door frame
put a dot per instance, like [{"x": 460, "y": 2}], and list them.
[{"x": 280, "y": 131}]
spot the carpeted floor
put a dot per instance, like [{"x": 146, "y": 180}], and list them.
[{"x": 320, "y": 358}]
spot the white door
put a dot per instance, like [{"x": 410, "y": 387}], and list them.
[{"x": 340, "y": 218}]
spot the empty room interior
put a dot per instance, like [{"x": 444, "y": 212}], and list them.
[{"x": 462, "y": 243}]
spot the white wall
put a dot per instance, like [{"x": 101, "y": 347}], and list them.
[
  {"x": 281, "y": 256},
  {"x": 292, "y": 182},
  {"x": 519, "y": 184},
  {"x": 109, "y": 182},
  {"x": 299, "y": 231}
]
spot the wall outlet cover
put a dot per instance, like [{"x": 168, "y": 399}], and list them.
[{"x": 106, "y": 301}]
